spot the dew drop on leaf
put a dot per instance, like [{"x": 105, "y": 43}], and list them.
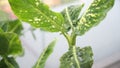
[
  {"x": 30, "y": 20},
  {"x": 37, "y": 3},
  {"x": 48, "y": 20},
  {"x": 21, "y": 11},
  {"x": 53, "y": 26},
  {"x": 37, "y": 19},
  {"x": 54, "y": 17}
]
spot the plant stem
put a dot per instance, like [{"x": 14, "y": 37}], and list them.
[{"x": 70, "y": 38}]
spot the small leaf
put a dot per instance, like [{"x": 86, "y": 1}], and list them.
[
  {"x": 15, "y": 47},
  {"x": 45, "y": 54},
  {"x": 82, "y": 56},
  {"x": 8, "y": 62},
  {"x": 15, "y": 26},
  {"x": 12, "y": 26},
  {"x": 4, "y": 44},
  {"x": 10, "y": 44},
  {"x": 71, "y": 15},
  {"x": 37, "y": 14},
  {"x": 94, "y": 15}
]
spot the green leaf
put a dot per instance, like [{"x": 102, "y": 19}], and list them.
[
  {"x": 71, "y": 15},
  {"x": 94, "y": 15},
  {"x": 3, "y": 64},
  {"x": 15, "y": 26},
  {"x": 76, "y": 57},
  {"x": 4, "y": 25},
  {"x": 4, "y": 44},
  {"x": 37, "y": 14},
  {"x": 1, "y": 30},
  {"x": 12, "y": 26},
  {"x": 45, "y": 54},
  {"x": 8, "y": 62},
  {"x": 10, "y": 44},
  {"x": 15, "y": 47}
]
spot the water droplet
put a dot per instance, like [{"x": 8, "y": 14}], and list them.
[
  {"x": 37, "y": 19},
  {"x": 48, "y": 20},
  {"x": 30, "y": 20},
  {"x": 54, "y": 17},
  {"x": 21, "y": 11},
  {"x": 53, "y": 26},
  {"x": 26, "y": 11},
  {"x": 41, "y": 16},
  {"x": 37, "y": 3}
]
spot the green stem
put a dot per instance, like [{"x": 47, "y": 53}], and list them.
[
  {"x": 67, "y": 38},
  {"x": 70, "y": 38},
  {"x": 73, "y": 39}
]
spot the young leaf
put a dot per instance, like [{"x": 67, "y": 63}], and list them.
[
  {"x": 15, "y": 47},
  {"x": 37, "y": 14},
  {"x": 77, "y": 58},
  {"x": 45, "y": 54},
  {"x": 71, "y": 15},
  {"x": 93, "y": 15},
  {"x": 8, "y": 62}
]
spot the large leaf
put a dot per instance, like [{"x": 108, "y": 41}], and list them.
[
  {"x": 15, "y": 47},
  {"x": 8, "y": 62},
  {"x": 77, "y": 58},
  {"x": 37, "y": 14},
  {"x": 45, "y": 54},
  {"x": 71, "y": 15},
  {"x": 94, "y": 15}
]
